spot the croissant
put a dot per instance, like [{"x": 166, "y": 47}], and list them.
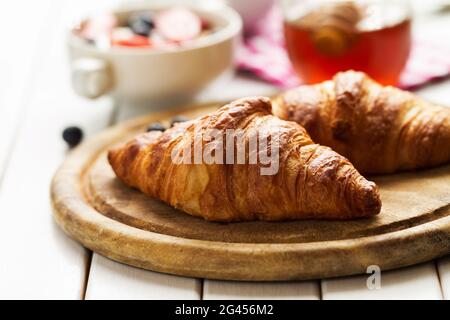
[
  {"x": 379, "y": 129},
  {"x": 311, "y": 181}
]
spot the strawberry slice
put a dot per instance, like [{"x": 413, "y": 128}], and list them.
[
  {"x": 178, "y": 24},
  {"x": 124, "y": 37},
  {"x": 135, "y": 41}
]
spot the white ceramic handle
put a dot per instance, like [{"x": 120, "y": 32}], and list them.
[{"x": 91, "y": 77}]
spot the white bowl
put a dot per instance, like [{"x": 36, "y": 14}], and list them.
[{"x": 142, "y": 75}]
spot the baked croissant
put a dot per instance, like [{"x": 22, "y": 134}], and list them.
[
  {"x": 379, "y": 129},
  {"x": 312, "y": 181}
]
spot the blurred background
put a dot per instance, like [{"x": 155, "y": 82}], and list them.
[
  {"x": 282, "y": 44},
  {"x": 86, "y": 54}
]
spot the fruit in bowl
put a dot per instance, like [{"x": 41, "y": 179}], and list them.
[
  {"x": 169, "y": 28},
  {"x": 152, "y": 53}
]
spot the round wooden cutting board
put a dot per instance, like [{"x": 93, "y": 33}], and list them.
[{"x": 106, "y": 216}]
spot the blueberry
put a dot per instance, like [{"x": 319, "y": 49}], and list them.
[
  {"x": 156, "y": 126},
  {"x": 177, "y": 119},
  {"x": 72, "y": 135},
  {"x": 141, "y": 24},
  {"x": 90, "y": 41}
]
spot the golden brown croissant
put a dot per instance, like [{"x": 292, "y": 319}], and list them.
[
  {"x": 379, "y": 129},
  {"x": 312, "y": 181}
]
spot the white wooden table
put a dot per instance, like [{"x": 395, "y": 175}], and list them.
[{"x": 38, "y": 261}]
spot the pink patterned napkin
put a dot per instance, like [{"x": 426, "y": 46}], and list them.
[{"x": 264, "y": 54}]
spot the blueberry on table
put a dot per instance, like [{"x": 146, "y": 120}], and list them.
[
  {"x": 73, "y": 136},
  {"x": 156, "y": 127},
  {"x": 141, "y": 24},
  {"x": 177, "y": 119}
]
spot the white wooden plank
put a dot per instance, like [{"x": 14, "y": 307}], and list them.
[
  {"x": 417, "y": 282},
  {"x": 111, "y": 280},
  {"x": 38, "y": 260},
  {"x": 444, "y": 276},
  {"x": 228, "y": 290},
  {"x": 22, "y": 46}
]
